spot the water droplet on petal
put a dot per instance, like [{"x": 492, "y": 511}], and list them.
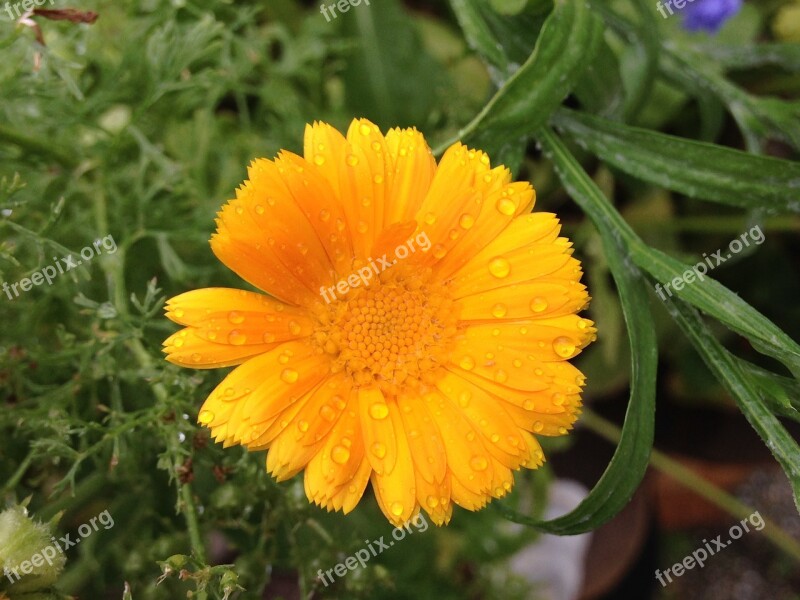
[
  {"x": 464, "y": 398},
  {"x": 562, "y": 430},
  {"x": 506, "y": 207},
  {"x": 365, "y": 129},
  {"x": 378, "y": 449},
  {"x": 559, "y": 399},
  {"x": 430, "y": 218},
  {"x": 319, "y": 160},
  {"x": 378, "y": 179},
  {"x": 196, "y": 357},
  {"x": 327, "y": 413},
  {"x": 289, "y": 375},
  {"x": 528, "y": 405},
  {"x": 352, "y": 160},
  {"x": 379, "y": 411},
  {"x": 178, "y": 313},
  {"x": 432, "y": 501},
  {"x": 340, "y": 455},
  {"x": 538, "y": 426},
  {"x": 564, "y": 346},
  {"x": 236, "y": 338},
  {"x": 302, "y": 426},
  {"x": 235, "y": 317},
  {"x": 479, "y": 463},
  {"x": 362, "y": 227},
  {"x": 538, "y": 305},
  {"x": 397, "y": 509},
  {"x": 499, "y": 267},
  {"x": 205, "y": 417},
  {"x": 466, "y": 221},
  {"x": 467, "y": 363},
  {"x": 324, "y": 215},
  {"x": 294, "y": 328},
  {"x": 268, "y": 337},
  {"x": 499, "y": 310}
]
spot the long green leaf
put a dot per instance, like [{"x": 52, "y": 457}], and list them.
[
  {"x": 743, "y": 389},
  {"x": 696, "y": 169},
  {"x": 532, "y": 94},
  {"x": 629, "y": 463}
]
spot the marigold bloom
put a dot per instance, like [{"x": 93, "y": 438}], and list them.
[{"x": 428, "y": 378}]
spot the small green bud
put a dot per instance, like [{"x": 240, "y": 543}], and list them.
[{"x": 30, "y": 558}]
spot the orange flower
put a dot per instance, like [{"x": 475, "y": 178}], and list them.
[{"x": 432, "y": 376}]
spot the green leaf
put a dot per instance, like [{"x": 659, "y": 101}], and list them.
[
  {"x": 782, "y": 395},
  {"x": 696, "y": 169},
  {"x": 389, "y": 78},
  {"x": 629, "y": 463},
  {"x": 742, "y": 387},
  {"x": 531, "y": 95}
]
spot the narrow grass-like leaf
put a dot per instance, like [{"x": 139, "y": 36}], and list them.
[
  {"x": 743, "y": 389},
  {"x": 629, "y": 463},
  {"x": 696, "y": 169},
  {"x": 529, "y": 97}
]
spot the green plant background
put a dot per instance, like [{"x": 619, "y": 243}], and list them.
[{"x": 653, "y": 145}]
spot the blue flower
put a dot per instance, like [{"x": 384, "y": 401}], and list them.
[{"x": 709, "y": 15}]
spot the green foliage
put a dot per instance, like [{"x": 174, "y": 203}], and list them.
[{"x": 141, "y": 125}]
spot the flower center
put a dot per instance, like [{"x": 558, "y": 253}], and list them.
[{"x": 394, "y": 332}]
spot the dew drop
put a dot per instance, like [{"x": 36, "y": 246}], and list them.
[
  {"x": 235, "y": 317},
  {"x": 538, "y": 426},
  {"x": 378, "y": 179},
  {"x": 506, "y": 207},
  {"x": 378, "y": 450},
  {"x": 365, "y": 129},
  {"x": 479, "y": 463},
  {"x": 397, "y": 509},
  {"x": 500, "y": 376},
  {"x": 324, "y": 215},
  {"x": 528, "y": 405},
  {"x": 379, "y": 411},
  {"x": 178, "y": 313},
  {"x": 340, "y": 455},
  {"x": 562, "y": 430},
  {"x": 464, "y": 398},
  {"x": 559, "y": 399},
  {"x": 289, "y": 375},
  {"x": 564, "y": 346},
  {"x": 319, "y": 160},
  {"x": 205, "y": 417},
  {"x": 302, "y": 426},
  {"x": 466, "y": 221},
  {"x": 495, "y": 438},
  {"x": 499, "y": 310},
  {"x": 439, "y": 251},
  {"x": 499, "y": 267},
  {"x": 538, "y": 305},
  {"x": 467, "y": 363},
  {"x": 268, "y": 337},
  {"x": 327, "y": 413},
  {"x": 236, "y": 338},
  {"x": 352, "y": 160},
  {"x": 430, "y": 218},
  {"x": 432, "y": 501},
  {"x": 196, "y": 357},
  {"x": 294, "y": 328},
  {"x": 362, "y": 227}
]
